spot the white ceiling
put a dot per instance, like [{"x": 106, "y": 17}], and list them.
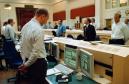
[{"x": 30, "y": 1}]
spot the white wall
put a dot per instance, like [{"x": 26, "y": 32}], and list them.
[
  {"x": 67, "y": 5},
  {"x": 61, "y": 6},
  {"x": 109, "y": 13},
  {"x": 80, "y": 3},
  {"x": 6, "y": 14}
]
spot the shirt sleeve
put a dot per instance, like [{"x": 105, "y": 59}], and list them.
[
  {"x": 37, "y": 43},
  {"x": 12, "y": 34},
  {"x": 126, "y": 32},
  {"x": 64, "y": 29}
]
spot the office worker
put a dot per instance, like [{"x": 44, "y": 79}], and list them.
[
  {"x": 93, "y": 23},
  {"x": 61, "y": 29},
  {"x": 33, "y": 48},
  {"x": 89, "y": 31},
  {"x": 120, "y": 32},
  {"x": 49, "y": 25},
  {"x": 9, "y": 31},
  {"x": 127, "y": 22},
  {"x": 3, "y": 28},
  {"x": 44, "y": 26}
]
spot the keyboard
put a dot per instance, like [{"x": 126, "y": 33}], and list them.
[{"x": 64, "y": 69}]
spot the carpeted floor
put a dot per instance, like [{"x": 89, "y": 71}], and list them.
[{"x": 6, "y": 74}]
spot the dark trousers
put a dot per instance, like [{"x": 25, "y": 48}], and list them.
[
  {"x": 117, "y": 41},
  {"x": 37, "y": 72}
]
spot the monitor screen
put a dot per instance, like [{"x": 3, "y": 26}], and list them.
[
  {"x": 47, "y": 47},
  {"x": 86, "y": 63},
  {"x": 71, "y": 57},
  {"x": 54, "y": 50}
]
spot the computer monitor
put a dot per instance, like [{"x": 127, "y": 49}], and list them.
[
  {"x": 54, "y": 50},
  {"x": 47, "y": 47},
  {"x": 86, "y": 63},
  {"x": 71, "y": 57}
]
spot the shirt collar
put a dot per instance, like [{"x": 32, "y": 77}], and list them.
[{"x": 34, "y": 19}]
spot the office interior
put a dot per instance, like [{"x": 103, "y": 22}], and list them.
[{"x": 96, "y": 62}]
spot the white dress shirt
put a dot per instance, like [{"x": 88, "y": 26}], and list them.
[
  {"x": 10, "y": 32},
  {"x": 32, "y": 42},
  {"x": 95, "y": 25},
  {"x": 120, "y": 31},
  {"x": 3, "y": 30}
]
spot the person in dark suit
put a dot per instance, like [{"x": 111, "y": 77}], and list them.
[
  {"x": 89, "y": 31},
  {"x": 56, "y": 26}
]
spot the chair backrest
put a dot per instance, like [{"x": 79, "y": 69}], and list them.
[
  {"x": 13, "y": 58},
  {"x": 97, "y": 38},
  {"x": 70, "y": 36},
  {"x": 80, "y": 37},
  {"x": 1, "y": 43},
  {"x": 54, "y": 33}
]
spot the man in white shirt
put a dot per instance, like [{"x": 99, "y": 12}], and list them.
[
  {"x": 33, "y": 48},
  {"x": 94, "y": 24},
  {"x": 120, "y": 32},
  {"x": 127, "y": 22},
  {"x": 3, "y": 28},
  {"x": 9, "y": 31}
]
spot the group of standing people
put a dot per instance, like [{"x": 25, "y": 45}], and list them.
[
  {"x": 8, "y": 30},
  {"x": 120, "y": 30},
  {"x": 89, "y": 30},
  {"x": 32, "y": 42}
]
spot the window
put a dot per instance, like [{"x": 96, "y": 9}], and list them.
[
  {"x": 115, "y": 3},
  {"x": 108, "y": 4},
  {"x": 123, "y": 3}
]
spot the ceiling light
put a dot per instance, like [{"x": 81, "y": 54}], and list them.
[{"x": 7, "y": 6}]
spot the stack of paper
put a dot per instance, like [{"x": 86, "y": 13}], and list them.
[{"x": 52, "y": 71}]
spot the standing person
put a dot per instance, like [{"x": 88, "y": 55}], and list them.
[
  {"x": 61, "y": 29},
  {"x": 49, "y": 25},
  {"x": 3, "y": 28},
  {"x": 89, "y": 31},
  {"x": 33, "y": 48},
  {"x": 9, "y": 31},
  {"x": 93, "y": 23},
  {"x": 127, "y": 22},
  {"x": 120, "y": 32}
]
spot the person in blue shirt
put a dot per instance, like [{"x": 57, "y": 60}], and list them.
[{"x": 61, "y": 29}]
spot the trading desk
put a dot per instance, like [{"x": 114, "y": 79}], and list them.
[
  {"x": 110, "y": 58},
  {"x": 85, "y": 80},
  {"x": 103, "y": 34}
]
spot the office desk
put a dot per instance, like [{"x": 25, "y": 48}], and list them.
[
  {"x": 104, "y": 35},
  {"x": 85, "y": 80},
  {"x": 116, "y": 57}
]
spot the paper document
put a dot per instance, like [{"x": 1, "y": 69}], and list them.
[{"x": 52, "y": 71}]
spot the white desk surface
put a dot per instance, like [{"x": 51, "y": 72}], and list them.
[
  {"x": 74, "y": 31},
  {"x": 111, "y": 49},
  {"x": 49, "y": 29}
]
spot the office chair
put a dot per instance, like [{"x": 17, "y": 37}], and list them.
[
  {"x": 54, "y": 33},
  {"x": 97, "y": 38},
  {"x": 80, "y": 37},
  {"x": 13, "y": 58},
  {"x": 2, "y": 55},
  {"x": 70, "y": 36}
]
